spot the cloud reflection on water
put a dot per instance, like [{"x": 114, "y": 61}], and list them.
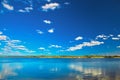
[
  {"x": 55, "y": 69},
  {"x": 9, "y": 69},
  {"x": 95, "y": 71}
]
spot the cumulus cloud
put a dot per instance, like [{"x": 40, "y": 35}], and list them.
[
  {"x": 15, "y": 45},
  {"x": 115, "y": 38},
  {"x": 7, "y": 6},
  {"x": 39, "y": 32},
  {"x": 111, "y": 35},
  {"x": 3, "y": 37},
  {"x": 47, "y": 21},
  {"x": 50, "y": 6},
  {"x": 118, "y": 35},
  {"x": 20, "y": 47},
  {"x": 55, "y": 46},
  {"x": 41, "y": 48},
  {"x": 15, "y": 41},
  {"x": 21, "y": 10},
  {"x": 102, "y": 36},
  {"x": 85, "y": 44},
  {"x": 27, "y": 9},
  {"x": 78, "y": 38},
  {"x": 12, "y": 46},
  {"x": 28, "y": 5},
  {"x": 51, "y": 30}
]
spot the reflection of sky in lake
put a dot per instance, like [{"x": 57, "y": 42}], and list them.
[
  {"x": 9, "y": 69},
  {"x": 59, "y": 69}
]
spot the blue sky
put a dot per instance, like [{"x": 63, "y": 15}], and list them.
[{"x": 59, "y": 27}]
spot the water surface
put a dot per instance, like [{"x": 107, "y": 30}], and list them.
[{"x": 59, "y": 69}]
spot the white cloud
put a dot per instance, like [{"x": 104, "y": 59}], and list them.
[
  {"x": 50, "y": 6},
  {"x": 41, "y": 48},
  {"x": 27, "y": 9},
  {"x": 15, "y": 41},
  {"x": 51, "y": 30},
  {"x": 3, "y": 37},
  {"x": 85, "y": 44},
  {"x": 20, "y": 47},
  {"x": 55, "y": 46},
  {"x": 21, "y": 10},
  {"x": 118, "y": 46},
  {"x": 111, "y": 35},
  {"x": 115, "y": 38},
  {"x": 78, "y": 38},
  {"x": 47, "y": 21},
  {"x": 40, "y": 32},
  {"x": 118, "y": 35},
  {"x": 102, "y": 36},
  {"x": 12, "y": 46},
  {"x": 7, "y": 6}
]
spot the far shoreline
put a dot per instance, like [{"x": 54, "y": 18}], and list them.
[{"x": 60, "y": 57}]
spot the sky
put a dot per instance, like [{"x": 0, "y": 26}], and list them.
[{"x": 59, "y": 27}]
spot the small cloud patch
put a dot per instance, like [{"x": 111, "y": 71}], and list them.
[
  {"x": 47, "y": 21},
  {"x": 51, "y": 30},
  {"x": 78, "y": 38},
  {"x": 50, "y": 6}
]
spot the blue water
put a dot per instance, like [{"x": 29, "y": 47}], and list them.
[{"x": 59, "y": 69}]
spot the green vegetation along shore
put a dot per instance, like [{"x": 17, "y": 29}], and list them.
[{"x": 44, "y": 56}]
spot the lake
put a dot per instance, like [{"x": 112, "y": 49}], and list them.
[{"x": 59, "y": 69}]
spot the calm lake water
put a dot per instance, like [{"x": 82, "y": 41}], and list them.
[{"x": 59, "y": 69}]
